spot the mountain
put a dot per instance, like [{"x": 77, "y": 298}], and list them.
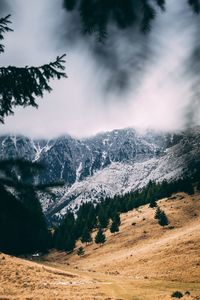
[{"x": 107, "y": 164}]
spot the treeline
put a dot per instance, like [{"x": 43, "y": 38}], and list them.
[
  {"x": 88, "y": 218},
  {"x": 152, "y": 192},
  {"x": 106, "y": 214},
  {"x": 23, "y": 227},
  {"x": 24, "y": 230}
]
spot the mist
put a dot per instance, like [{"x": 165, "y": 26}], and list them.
[{"x": 133, "y": 80}]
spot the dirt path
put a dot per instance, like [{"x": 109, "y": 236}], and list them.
[{"x": 116, "y": 287}]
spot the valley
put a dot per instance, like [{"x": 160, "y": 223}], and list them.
[{"x": 144, "y": 261}]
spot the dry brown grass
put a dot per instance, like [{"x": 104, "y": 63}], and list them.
[{"x": 142, "y": 262}]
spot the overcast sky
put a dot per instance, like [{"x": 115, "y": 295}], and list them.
[{"x": 87, "y": 102}]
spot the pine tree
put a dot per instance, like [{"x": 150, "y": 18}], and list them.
[
  {"x": 152, "y": 203},
  {"x": 91, "y": 217},
  {"x": 69, "y": 243},
  {"x": 116, "y": 218},
  {"x": 157, "y": 213},
  {"x": 103, "y": 217},
  {"x": 21, "y": 86},
  {"x": 163, "y": 220},
  {"x": 80, "y": 251},
  {"x": 86, "y": 236},
  {"x": 25, "y": 229},
  {"x": 64, "y": 236},
  {"x": 114, "y": 227},
  {"x": 100, "y": 237},
  {"x": 161, "y": 217}
]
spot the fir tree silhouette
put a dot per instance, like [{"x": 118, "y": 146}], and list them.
[{"x": 24, "y": 229}]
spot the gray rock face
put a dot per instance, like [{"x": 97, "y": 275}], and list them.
[{"x": 107, "y": 164}]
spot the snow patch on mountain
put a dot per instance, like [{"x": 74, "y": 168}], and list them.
[{"x": 104, "y": 165}]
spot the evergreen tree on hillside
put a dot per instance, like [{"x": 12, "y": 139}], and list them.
[
  {"x": 91, "y": 217},
  {"x": 157, "y": 213},
  {"x": 86, "y": 215},
  {"x": 103, "y": 218},
  {"x": 64, "y": 236},
  {"x": 79, "y": 226},
  {"x": 161, "y": 217},
  {"x": 152, "y": 203},
  {"x": 163, "y": 220},
  {"x": 116, "y": 218},
  {"x": 86, "y": 236},
  {"x": 114, "y": 227},
  {"x": 80, "y": 251},
  {"x": 100, "y": 237},
  {"x": 69, "y": 243}
]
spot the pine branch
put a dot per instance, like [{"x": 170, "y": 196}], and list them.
[
  {"x": 96, "y": 15},
  {"x": 70, "y": 4},
  {"x": 3, "y": 29},
  {"x": 161, "y": 4},
  {"x": 195, "y": 4},
  {"x": 21, "y": 86},
  {"x": 148, "y": 16}
]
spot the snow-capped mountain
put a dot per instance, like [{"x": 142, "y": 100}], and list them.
[{"x": 107, "y": 164}]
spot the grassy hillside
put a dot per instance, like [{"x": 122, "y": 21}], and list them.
[{"x": 144, "y": 261}]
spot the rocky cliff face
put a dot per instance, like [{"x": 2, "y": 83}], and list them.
[{"x": 107, "y": 164}]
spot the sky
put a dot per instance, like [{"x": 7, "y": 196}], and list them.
[{"x": 123, "y": 87}]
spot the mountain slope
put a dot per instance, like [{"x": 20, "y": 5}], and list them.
[
  {"x": 143, "y": 248},
  {"x": 107, "y": 164},
  {"x": 143, "y": 261}
]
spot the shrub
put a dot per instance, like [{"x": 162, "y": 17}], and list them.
[
  {"x": 187, "y": 293},
  {"x": 80, "y": 251},
  {"x": 177, "y": 294}
]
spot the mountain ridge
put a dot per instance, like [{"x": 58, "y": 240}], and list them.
[{"x": 107, "y": 164}]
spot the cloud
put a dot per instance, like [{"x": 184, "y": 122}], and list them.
[{"x": 134, "y": 80}]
